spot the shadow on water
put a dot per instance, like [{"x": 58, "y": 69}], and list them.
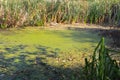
[
  {"x": 112, "y": 34},
  {"x": 80, "y": 34},
  {"x": 16, "y": 64}
]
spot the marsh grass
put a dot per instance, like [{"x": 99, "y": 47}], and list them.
[{"x": 39, "y": 12}]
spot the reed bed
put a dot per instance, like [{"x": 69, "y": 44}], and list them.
[{"x": 16, "y": 13}]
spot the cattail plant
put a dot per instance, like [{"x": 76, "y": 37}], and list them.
[{"x": 101, "y": 67}]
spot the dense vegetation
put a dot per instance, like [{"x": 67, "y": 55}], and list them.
[{"x": 14, "y": 13}]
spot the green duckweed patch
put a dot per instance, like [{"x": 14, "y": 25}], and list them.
[{"x": 44, "y": 54}]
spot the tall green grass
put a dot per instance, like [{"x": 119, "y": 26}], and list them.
[
  {"x": 101, "y": 67},
  {"x": 14, "y": 13}
]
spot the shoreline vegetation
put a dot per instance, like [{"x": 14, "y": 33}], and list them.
[{"x": 17, "y": 13}]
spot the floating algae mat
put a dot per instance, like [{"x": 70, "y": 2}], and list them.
[
  {"x": 63, "y": 40},
  {"x": 35, "y": 52}
]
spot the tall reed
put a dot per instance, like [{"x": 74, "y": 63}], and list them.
[{"x": 14, "y": 13}]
